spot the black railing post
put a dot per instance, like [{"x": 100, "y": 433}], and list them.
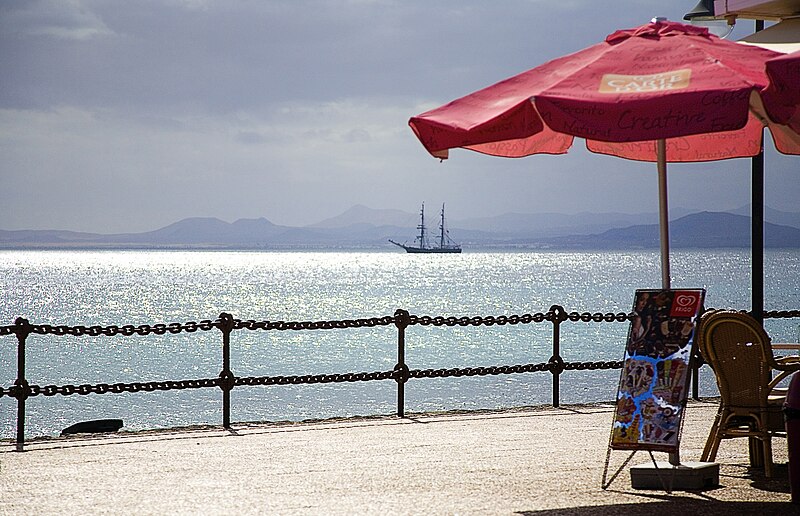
[
  {"x": 21, "y": 387},
  {"x": 556, "y": 363},
  {"x": 401, "y": 320},
  {"x": 697, "y": 363},
  {"x": 226, "y": 381}
]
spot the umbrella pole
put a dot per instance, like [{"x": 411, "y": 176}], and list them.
[
  {"x": 663, "y": 224},
  {"x": 757, "y": 236},
  {"x": 663, "y": 211}
]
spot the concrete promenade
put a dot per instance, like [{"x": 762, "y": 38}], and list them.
[{"x": 523, "y": 461}]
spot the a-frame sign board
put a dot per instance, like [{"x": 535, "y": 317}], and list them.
[{"x": 654, "y": 383}]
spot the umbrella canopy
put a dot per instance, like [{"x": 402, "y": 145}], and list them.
[
  {"x": 661, "y": 92},
  {"x": 783, "y": 93}
]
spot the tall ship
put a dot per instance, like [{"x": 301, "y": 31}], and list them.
[{"x": 441, "y": 244}]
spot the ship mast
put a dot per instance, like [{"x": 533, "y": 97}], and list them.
[
  {"x": 421, "y": 227},
  {"x": 441, "y": 229}
]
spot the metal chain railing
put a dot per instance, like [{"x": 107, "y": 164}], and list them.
[
  {"x": 781, "y": 314},
  {"x": 226, "y": 381},
  {"x": 114, "y": 388}
]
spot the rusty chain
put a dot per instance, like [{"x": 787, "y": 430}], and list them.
[
  {"x": 313, "y": 325},
  {"x": 781, "y": 314},
  {"x": 316, "y": 378},
  {"x": 109, "y": 331},
  {"x": 598, "y": 317},
  {"x": 206, "y": 325},
  {"x": 189, "y": 327},
  {"x": 28, "y": 391}
]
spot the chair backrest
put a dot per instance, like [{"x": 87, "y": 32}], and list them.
[{"x": 739, "y": 351}]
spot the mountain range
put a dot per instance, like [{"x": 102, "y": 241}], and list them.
[{"x": 362, "y": 227}]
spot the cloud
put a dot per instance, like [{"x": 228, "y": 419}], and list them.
[
  {"x": 249, "y": 138},
  {"x": 160, "y": 167},
  {"x": 57, "y": 19}
]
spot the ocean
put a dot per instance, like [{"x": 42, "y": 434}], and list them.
[{"x": 151, "y": 287}]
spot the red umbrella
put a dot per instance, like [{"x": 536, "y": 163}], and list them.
[
  {"x": 661, "y": 92},
  {"x": 783, "y": 94}
]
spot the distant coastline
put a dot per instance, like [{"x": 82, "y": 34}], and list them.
[{"x": 362, "y": 228}]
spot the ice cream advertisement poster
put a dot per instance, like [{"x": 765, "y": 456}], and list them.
[{"x": 654, "y": 383}]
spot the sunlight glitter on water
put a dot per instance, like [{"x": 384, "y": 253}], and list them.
[{"x": 149, "y": 287}]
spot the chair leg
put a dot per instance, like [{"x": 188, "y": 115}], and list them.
[
  {"x": 714, "y": 438},
  {"x": 712, "y": 445},
  {"x": 767, "y": 456},
  {"x": 756, "y": 447}
]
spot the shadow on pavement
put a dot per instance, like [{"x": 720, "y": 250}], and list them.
[
  {"x": 779, "y": 483},
  {"x": 675, "y": 506}
]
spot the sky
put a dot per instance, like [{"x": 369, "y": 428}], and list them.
[{"x": 127, "y": 116}]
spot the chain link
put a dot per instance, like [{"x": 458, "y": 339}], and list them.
[
  {"x": 104, "y": 388},
  {"x": 425, "y": 320},
  {"x": 397, "y": 374},
  {"x": 501, "y": 320},
  {"x": 600, "y": 317},
  {"x": 313, "y": 325},
  {"x": 109, "y": 331},
  {"x": 781, "y": 314},
  {"x": 582, "y": 366},
  {"x": 316, "y": 378},
  {"x": 514, "y": 369},
  {"x": 555, "y": 313}
]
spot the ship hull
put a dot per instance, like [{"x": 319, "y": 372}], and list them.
[
  {"x": 428, "y": 250},
  {"x": 417, "y": 250}
]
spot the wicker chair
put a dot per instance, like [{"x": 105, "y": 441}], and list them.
[{"x": 740, "y": 352}]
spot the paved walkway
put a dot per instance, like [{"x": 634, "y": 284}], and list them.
[{"x": 525, "y": 461}]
